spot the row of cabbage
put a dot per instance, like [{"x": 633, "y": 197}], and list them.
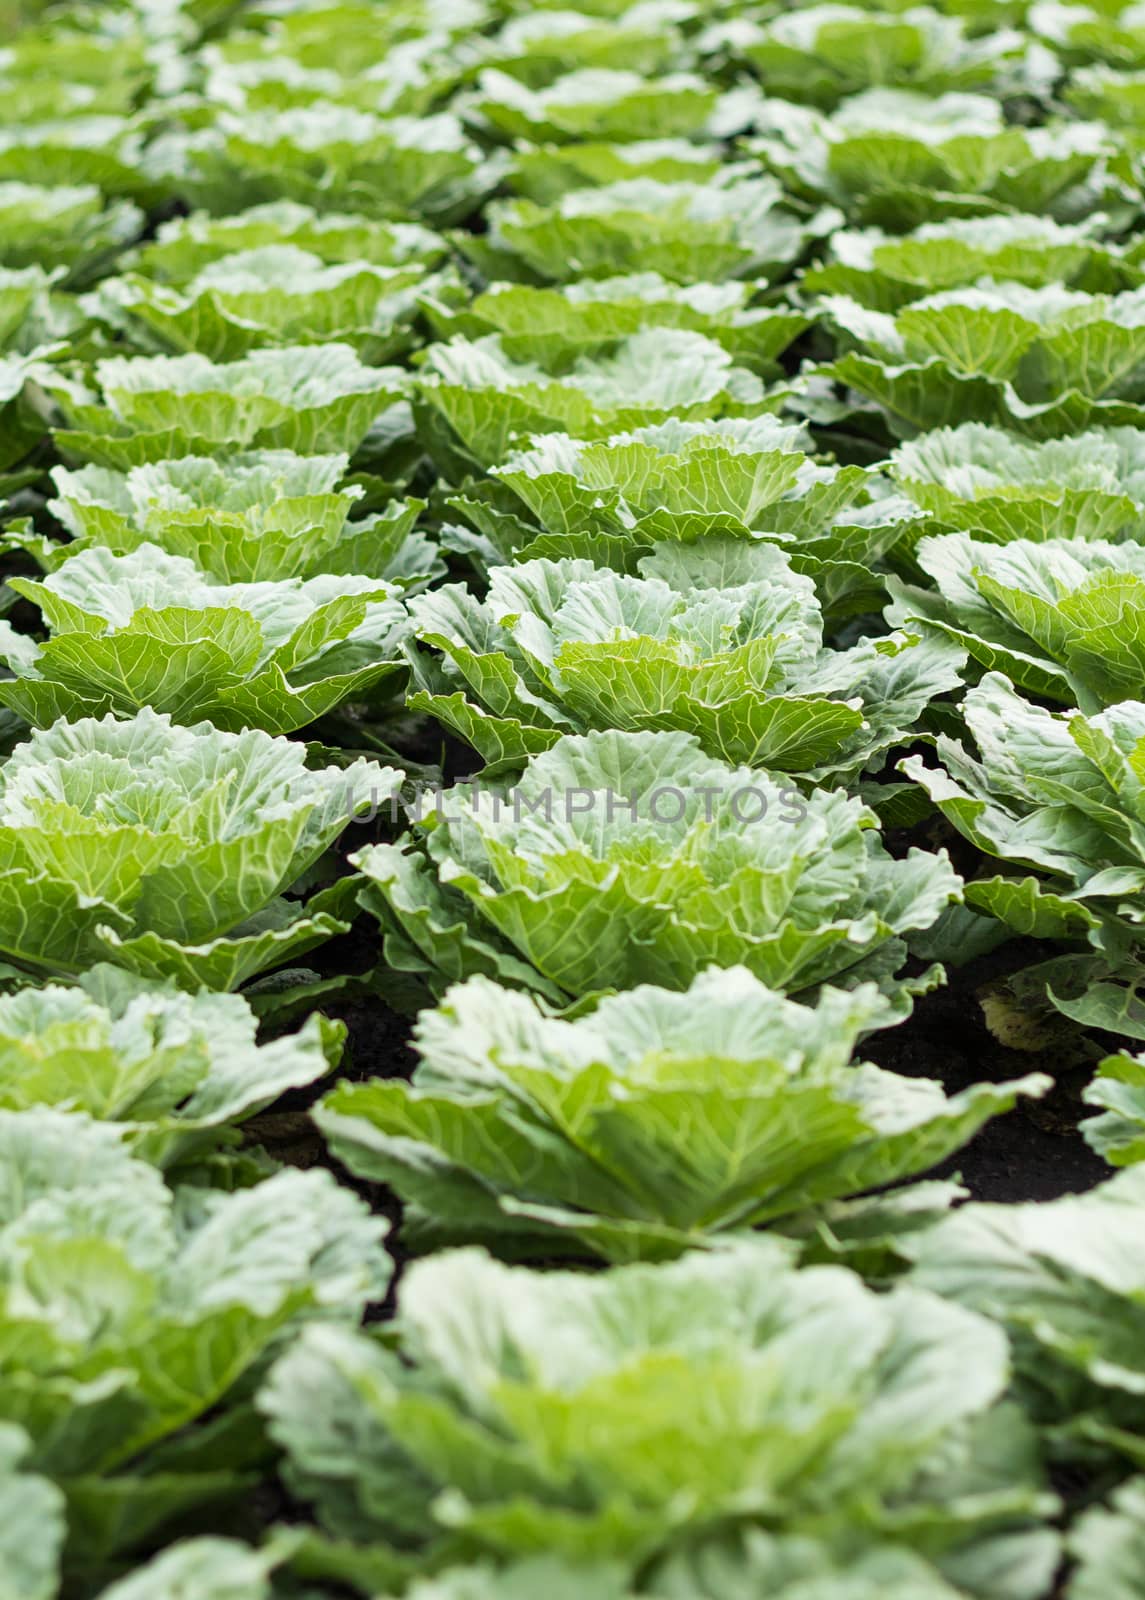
[{"x": 685, "y": 539}]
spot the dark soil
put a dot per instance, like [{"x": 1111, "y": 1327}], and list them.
[{"x": 1035, "y": 1152}]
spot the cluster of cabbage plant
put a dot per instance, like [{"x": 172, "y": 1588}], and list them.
[{"x": 617, "y": 528}]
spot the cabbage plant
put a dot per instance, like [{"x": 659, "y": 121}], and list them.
[
  {"x": 1063, "y": 617},
  {"x": 1113, "y": 96},
  {"x": 731, "y": 477},
  {"x": 600, "y": 103},
  {"x": 147, "y": 629},
  {"x": 1108, "y": 1541},
  {"x": 1117, "y": 1132},
  {"x": 244, "y": 517},
  {"x": 334, "y": 158},
  {"x": 26, "y": 316},
  {"x": 249, "y": 73},
  {"x": 1083, "y": 35},
  {"x": 736, "y": 224},
  {"x": 543, "y": 173},
  {"x": 820, "y": 54},
  {"x": 23, "y": 411},
  {"x": 1088, "y": 486},
  {"x": 275, "y": 295},
  {"x": 554, "y": 324},
  {"x": 538, "y": 47},
  {"x": 96, "y": 150},
  {"x": 32, "y": 1562},
  {"x": 1046, "y": 360},
  {"x": 69, "y": 225},
  {"x": 720, "y": 487},
  {"x": 657, "y": 1121},
  {"x": 337, "y": 31},
  {"x": 202, "y": 1567},
  {"x": 885, "y": 272},
  {"x": 625, "y": 858},
  {"x": 167, "y": 849},
  {"x": 564, "y": 647},
  {"x": 149, "y": 408},
  {"x": 176, "y": 1072},
  {"x": 555, "y": 1413},
  {"x": 1064, "y": 1278},
  {"x": 1058, "y": 796},
  {"x": 65, "y": 71},
  {"x": 485, "y": 403},
  {"x": 130, "y": 1312},
  {"x": 183, "y": 247},
  {"x": 896, "y": 158},
  {"x": 783, "y": 1568}
]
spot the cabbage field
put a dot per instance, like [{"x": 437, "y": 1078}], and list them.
[{"x": 572, "y": 800}]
